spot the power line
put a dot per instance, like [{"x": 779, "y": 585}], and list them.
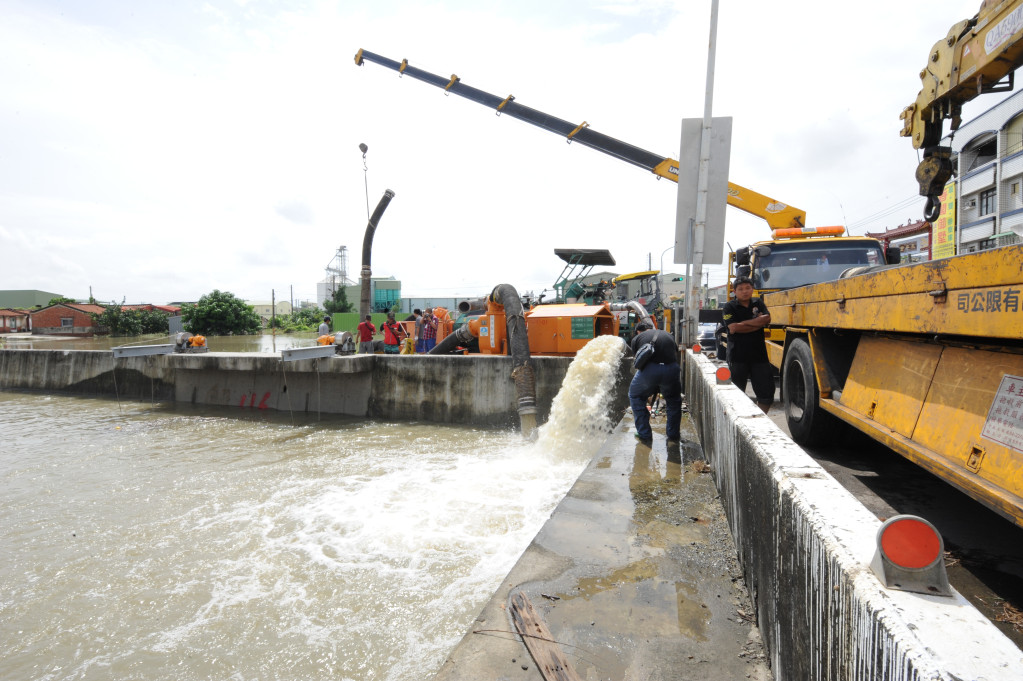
[{"x": 885, "y": 212}]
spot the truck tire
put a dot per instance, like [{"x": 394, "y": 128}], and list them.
[{"x": 808, "y": 423}]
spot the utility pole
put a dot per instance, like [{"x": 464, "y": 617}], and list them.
[{"x": 692, "y": 307}]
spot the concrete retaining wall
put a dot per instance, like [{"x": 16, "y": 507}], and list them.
[
  {"x": 472, "y": 389},
  {"x": 805, "y": 546}
]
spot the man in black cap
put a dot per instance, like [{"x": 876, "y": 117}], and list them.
[
  {"x": 661, "y": 374},
  {"x": 746, "y": 317}
]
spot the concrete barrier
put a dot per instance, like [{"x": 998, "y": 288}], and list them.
[
  {"x": 474, "y": 389},
  {"x": 805, "y": 546}
]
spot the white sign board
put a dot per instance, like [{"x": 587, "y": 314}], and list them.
[
  {"x": 1004, "y": 423},
  {"x": 717, "y": 188}
]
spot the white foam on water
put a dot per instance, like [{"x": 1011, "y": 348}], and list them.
[
  {"x": 252, "y": 549},
  {"x": 579, "y": 414}
]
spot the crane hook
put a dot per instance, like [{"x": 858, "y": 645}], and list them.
[{"x": 932, "y": 209}]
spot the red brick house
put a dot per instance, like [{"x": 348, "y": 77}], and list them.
[
  {"x": 14, "y": 320},
  {"x": 74, "y": 319},
  {"x": 66, "y": 319}
]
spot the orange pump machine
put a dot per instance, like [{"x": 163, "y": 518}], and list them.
[
  {"x": 564, "y": 329},
  {"x": 551, "y": 329}
]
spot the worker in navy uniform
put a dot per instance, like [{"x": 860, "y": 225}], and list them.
[
  {"x": 746, "y": 317},
  {"x": 660, "y": 375}
]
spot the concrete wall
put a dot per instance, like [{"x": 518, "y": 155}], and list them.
[
  {"x": 471, "y": 389},
  {"x": 805, "y": 546}
]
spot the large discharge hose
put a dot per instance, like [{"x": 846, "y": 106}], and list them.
[
  {"x": 518, "y": 347},
  {"x": 367, "y": 252}
]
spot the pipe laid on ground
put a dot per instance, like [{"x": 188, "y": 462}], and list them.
[{"x": 461, "y": 336}]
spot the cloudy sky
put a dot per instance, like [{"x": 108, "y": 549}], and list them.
[{"x": 154, "y": 151}]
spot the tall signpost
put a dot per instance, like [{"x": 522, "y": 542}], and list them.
[{"x": 702, "y": 192}]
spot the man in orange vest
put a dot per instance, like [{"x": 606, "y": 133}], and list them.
[{"x": 393, "y": 334}]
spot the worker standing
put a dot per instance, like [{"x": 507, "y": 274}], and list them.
[
  {"x": 746, "y": 317},
  {"x": 428, "y": 330},
  {"x": 324, "y": 326},
  {"x": 393, "y": 334},
  {"x": 366, "y": 332}
]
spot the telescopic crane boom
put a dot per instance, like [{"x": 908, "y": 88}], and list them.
[
  {"x": 777, "y": 214},
  {"x": 978, "y": 56}
]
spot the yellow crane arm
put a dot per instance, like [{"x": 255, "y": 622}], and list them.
[
  {"x": 978, "y": 56},
  {"x": 777, "y": 214}
]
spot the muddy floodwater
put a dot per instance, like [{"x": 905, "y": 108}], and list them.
[
  {"x": 169, "y": 542},
  {"x": 253, "y": 343}
]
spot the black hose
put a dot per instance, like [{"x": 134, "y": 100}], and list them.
[
  {"x": 367, "y": 252},
  {"x": 461, "y": 336},
  {"x": 518, "y": 346}
]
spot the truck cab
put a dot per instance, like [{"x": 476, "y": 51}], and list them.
[{"x": 789, "y": 263}]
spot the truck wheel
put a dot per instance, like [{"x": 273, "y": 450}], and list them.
[{"x": 808, "y": 423}]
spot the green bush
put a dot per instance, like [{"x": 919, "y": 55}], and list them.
[
  {"x": 220, "y": 313},
  {"x": 122, "y": 322}
]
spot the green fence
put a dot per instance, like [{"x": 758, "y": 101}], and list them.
[{"x": 349, "y": 321}]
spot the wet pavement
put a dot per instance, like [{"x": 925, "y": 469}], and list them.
[{"x": 635, "y": 576}]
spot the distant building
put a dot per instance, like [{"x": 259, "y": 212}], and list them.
[
  {"x": 265, "y": 308},
  {"x": 14, "y": 320},
  {"x": 66, "y": 319},
  {"x": 988, "y": 158},
  {"x": 26, "y": 299},
  {"x": 913, "y": 240},
  {"x": 384, "y": 293}
]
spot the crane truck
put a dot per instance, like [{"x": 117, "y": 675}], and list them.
[
  {"x": 794, "y": 256},
  {"x": 925, "y": 358}
]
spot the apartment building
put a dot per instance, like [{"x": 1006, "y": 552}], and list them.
[{"x": 988, "y": 157}]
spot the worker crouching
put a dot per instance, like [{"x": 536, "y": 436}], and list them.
[{"x": 661, "y": 374}]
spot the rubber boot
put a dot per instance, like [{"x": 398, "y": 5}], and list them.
[{"x": 764, "y": 406}]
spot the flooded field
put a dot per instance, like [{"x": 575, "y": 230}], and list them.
[{"x": 255, "y": 343}]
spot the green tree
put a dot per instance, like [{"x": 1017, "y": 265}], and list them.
[
  {"x": 220, "y": 313},
  {"x": 60, "y": 299},
  {"x": 305, "y": 319},
  {"x": 122, "y": 322},
  {"x": 339, "y": 302}
]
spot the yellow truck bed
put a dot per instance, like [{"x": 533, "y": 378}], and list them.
[
  {"x": 979, "y": 294},
  {"x": 924, "y": 358}
]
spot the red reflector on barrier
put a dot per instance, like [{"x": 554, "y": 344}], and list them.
[
  {"x": 910, "y": 543},
  {"x": 910, "y": 556},
  {"x": 723, "y": 375},
  {"x": 697, "y": 349}
]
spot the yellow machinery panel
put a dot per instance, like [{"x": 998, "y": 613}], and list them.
[
  {"x": 959, "y": 403},
  {"x": 889, "y": 381}
]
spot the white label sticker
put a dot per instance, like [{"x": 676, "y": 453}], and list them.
[
  {"x": 1003, "y": 30},
  {"x": 1004, "y": 423}
]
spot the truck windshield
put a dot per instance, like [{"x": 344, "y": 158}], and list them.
[{"x": 798, "y": 263}]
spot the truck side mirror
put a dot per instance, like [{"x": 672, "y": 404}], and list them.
[
  {"x": 893, "y": 255},
  {"x": 742, "y": 256},
  {"x": 743, "y": 271}
]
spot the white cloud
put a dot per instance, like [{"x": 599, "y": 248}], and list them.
[{"x": 165, "y": 151}]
